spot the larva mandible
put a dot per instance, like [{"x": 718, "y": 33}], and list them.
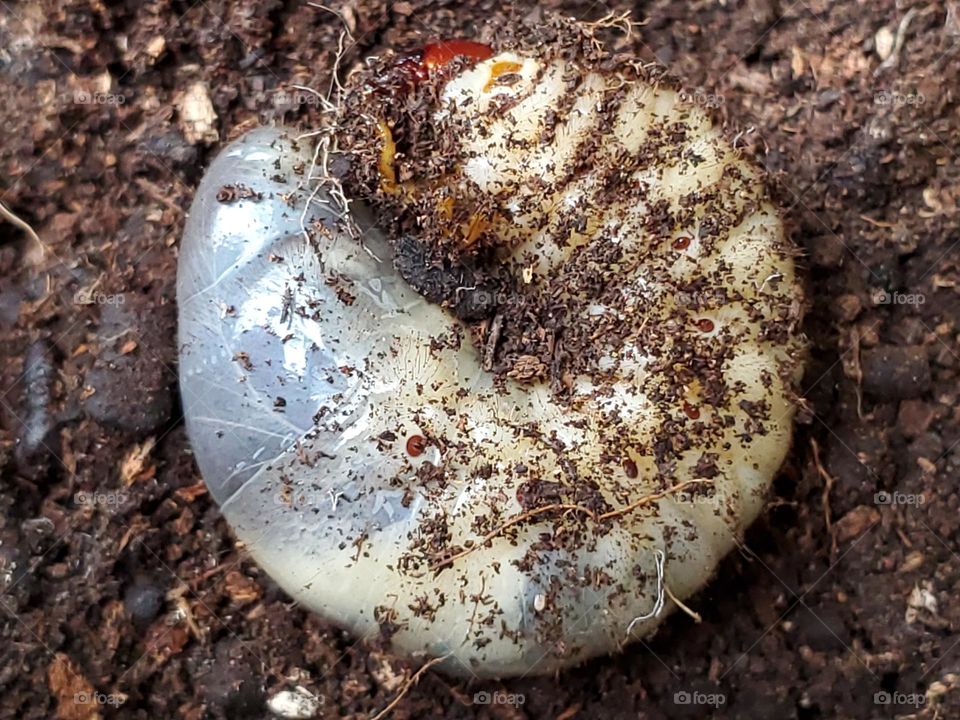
[{"x": 541, "y": 500}]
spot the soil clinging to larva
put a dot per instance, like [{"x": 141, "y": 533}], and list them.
[{"x": 544, "y": 329}]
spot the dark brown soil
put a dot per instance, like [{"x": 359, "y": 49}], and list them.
[{"x": 119, "y": 581}]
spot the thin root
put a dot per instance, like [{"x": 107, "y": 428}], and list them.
[
  {"x": 22, "y": 224},
  {"x": 409, "y": 684},
  {"x": 621, "y": 22},
  {"x": 676, "y": 601},
  {"x": 658, "y": 605},
  {"x": 897, "y": 42},
  {"x": 827, "y": 487},
  {"x": 521, "y": 517}
]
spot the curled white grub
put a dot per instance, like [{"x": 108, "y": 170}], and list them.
[{"x": 521, "y": 509}]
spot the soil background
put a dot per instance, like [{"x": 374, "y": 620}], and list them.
[{"x": 122, "y": 593}]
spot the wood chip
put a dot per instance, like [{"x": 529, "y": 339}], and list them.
[
  {"x": 927, "y": 465},
  {"x": 76, "y": 697},
  {"x": 856, "y": 522},
  {"x": 134, "y": 464},
  {"x": 128, "y": 347},
  {"x": 191, "y": 492},
  {"x": 156, "y": 46},
  {"x": 797, "y": 64},
  {"x": 240, "y": 588}
]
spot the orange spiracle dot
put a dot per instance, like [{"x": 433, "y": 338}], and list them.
[
  {"x": 681, "y": 243},
  {"x": 691, "y": 412},
  {"x": 630, "y": 468},
  {"x": 705, "y": 325},
  {"x": 416, "y": 444}
]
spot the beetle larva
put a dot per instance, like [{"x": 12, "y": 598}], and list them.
[{"x": 640, "y": 360}]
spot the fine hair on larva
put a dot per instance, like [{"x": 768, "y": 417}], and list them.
[{"x": 520, "y": 482}]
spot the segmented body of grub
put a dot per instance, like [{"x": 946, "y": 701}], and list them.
[{"x": 537, "y": 500}]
